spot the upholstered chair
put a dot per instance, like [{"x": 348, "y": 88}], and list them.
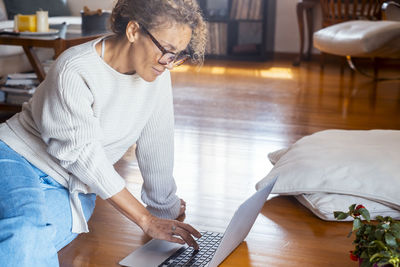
[{"x": 363, "y": 36}]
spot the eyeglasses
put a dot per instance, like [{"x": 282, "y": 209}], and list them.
[{"x": 167, "y": 57}]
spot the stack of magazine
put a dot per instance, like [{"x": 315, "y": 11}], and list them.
[{"x": 18, "y": 88}]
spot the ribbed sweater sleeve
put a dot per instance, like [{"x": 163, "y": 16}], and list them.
[
  {"x": 155, "y": 154},
  {"x": 73, "y": 133}
]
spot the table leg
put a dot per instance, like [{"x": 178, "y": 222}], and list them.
[
  {"x": 59, "y": 47},
  {"x": 35, "y": 62},
  {"x": 300, "y": 21},
  {"x": 308, "y": 8},
  {"x": 310, "y": 29}
]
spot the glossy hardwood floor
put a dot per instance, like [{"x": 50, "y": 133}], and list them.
[{"x": 229, "y": 116}]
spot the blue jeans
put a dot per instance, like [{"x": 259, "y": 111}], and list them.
[{"x": 35, "y": 213}]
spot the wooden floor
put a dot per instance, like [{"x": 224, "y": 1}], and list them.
[{"x": 229, "y": 116}]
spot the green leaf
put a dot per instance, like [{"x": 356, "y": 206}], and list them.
[
  {"x": 395, "y": 262},
  {"x": 365, "y": 214},
  {"x": 388, "y": 219},
  {"x": 396, "y": 226},
  {"x": 357, "y": 224},
  {"x": 340, "y": 215},
  {"x": 376, "y": 256},
  {"x": 379, "y": 218},
  {"x": 366, "y": 263},
  {"x": 379, "y": 244},
  {"x": 379, "y": 234},
  {"x": 390, "y": 240},
  {"x": 368, "y": 229},
  {"x": 352, "y": 207},
  {"x": 364, "y": 255},
  {"x": 395, "y": 232},
  {"x": 395, "y": 229}
]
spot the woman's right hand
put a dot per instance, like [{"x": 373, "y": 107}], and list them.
[{"x": 170, "y": 230}]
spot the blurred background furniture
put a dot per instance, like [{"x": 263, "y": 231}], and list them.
[
  {"x": 333, "y": 12},
  {"x": 59, "y": 42},
  {"x": 26, "y": 53},
  {"x": 336, "y": 11},
  {"x": 306, "y": 7},
  {"x": 360, "y": 33},
  {"x": 13, "y": 58},
  {"x": 239, "y": 29}
]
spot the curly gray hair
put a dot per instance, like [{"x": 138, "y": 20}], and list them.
[{"x": 154, "y": 13}]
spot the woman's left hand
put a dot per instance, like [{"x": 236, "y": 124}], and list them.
[{"x": 183, "y": 208}]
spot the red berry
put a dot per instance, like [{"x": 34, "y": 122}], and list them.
[
  {"x": 353, "y": 257},
  {"x": 360, "y": 207},
  {"x": 356, "y": 213}
]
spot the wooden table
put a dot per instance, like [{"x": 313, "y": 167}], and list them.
[
  {"x": 305, "y": 6},
  {"x": 60, "y": 42}
]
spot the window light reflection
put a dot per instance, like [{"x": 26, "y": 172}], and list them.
[{"x": 275, "y": 72}]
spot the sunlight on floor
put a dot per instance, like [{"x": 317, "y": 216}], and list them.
[
  {"x": 274, "y": 72},
  {"x": 277, "y": 73},
  {"x": 223, "y": 159}
]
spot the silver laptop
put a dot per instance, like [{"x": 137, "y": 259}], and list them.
[{"x": 214, "y": 247}]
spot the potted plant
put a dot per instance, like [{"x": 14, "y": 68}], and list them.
[{"x": 376, "y": 243}]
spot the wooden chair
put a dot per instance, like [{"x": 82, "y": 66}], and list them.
[{"x": 336, "y": 11}]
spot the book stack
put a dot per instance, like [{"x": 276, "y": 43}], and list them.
[
  {"x": 217, "y": 43},
  {"x": 18, "y": 88},
  {"x": 247, "y": 9}
]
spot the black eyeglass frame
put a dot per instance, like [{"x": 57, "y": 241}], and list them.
[{"x": 176, "y": 59}]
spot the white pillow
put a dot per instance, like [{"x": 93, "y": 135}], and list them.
[
  {"x": 324, "y": 204},
  {"x": 362, "y": 164}
]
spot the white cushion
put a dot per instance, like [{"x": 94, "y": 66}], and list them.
[
  {"x": 328, "y": 166},
  {"x": 324, "y": 204},
  {"x": 360, "y": 38}
]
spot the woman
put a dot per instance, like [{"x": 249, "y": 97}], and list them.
[{"x": 97, "y": 100}]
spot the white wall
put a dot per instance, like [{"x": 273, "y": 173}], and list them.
[
  {"x": 287, "y": 38},
  {"x": 77, "y": 5}
]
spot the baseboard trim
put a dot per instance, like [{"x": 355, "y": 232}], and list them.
[{"x": 314, "y": 57}]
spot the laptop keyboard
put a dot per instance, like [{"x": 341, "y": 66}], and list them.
[{"x": 208, "y": 244}]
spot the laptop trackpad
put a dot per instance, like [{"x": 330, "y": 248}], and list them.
[{"x": 152, "y": 254}]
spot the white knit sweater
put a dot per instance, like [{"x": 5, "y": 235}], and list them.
[{"x": 82, "y": 119}]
